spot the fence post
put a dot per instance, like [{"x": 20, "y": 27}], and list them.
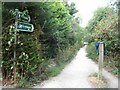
[{"x": 101, "y": 58}]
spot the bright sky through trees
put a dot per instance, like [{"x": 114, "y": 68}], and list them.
[{"x": 86, "y": 8}]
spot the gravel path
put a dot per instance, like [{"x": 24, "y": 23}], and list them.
[{"x": 75, "y": 75}]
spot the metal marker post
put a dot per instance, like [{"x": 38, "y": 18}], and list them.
[
  {"x": 15, "y": 41},
  {"x": 101, "y": 58}
]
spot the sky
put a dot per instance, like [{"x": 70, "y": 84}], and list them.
[{"x": 86, "y": 8}]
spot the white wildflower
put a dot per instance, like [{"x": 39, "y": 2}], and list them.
[
  {"x": 20, "y": 56},
  {"x": 11, "y": 26},
  {"x": 23, "y": 53},
  {"x": 6, "y": 49},
  {"x": 9, "y": 42},
  {"x": 26, "y": 56},
  {"x": 11, "y": 39},
  {"x": 18, "y": 42},
  {"x": 21, "y": 43},
  {"x": 12, "y": 67}
]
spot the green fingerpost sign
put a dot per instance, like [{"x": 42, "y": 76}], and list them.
[
  {"x": 23, "y": 16},
  {"x": 21, "y": 26}
]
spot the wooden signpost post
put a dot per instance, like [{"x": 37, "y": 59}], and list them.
[{"x": 101, "y": 58}]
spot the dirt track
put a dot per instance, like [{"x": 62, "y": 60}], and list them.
[{"x": 75, "y": 75}]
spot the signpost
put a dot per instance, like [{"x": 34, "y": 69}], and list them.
[{"x": 22, "y": 24}]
